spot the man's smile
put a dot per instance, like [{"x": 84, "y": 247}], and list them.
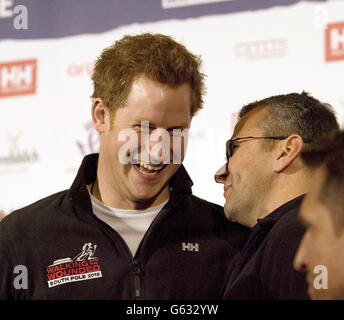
[{"x": 149, "y": 170}]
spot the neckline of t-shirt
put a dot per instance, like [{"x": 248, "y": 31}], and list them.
[{"x": 126, "y": 212}]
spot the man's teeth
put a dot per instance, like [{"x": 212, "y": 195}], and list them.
[
  {"x": 144, "y": 167},
  {"x": 149, "y": 167}
]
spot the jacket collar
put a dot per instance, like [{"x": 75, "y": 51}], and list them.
[
  {"x": 274, "y": 216},
  {"x": 87, "y": 173}
]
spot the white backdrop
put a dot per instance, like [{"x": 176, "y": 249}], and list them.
[{"x": 246, "y": 56}]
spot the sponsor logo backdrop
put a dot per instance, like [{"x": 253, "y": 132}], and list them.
[{"x": 45, "y": 86}]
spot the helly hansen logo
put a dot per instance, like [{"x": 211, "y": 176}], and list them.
[
  {"x": 188, "y": 246},
  {"x": 334, "y": 38},
  {"x": 18, "y": 78}
]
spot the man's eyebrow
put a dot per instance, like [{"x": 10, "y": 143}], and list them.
[
  {"x": 142, "y": 123},
  {"x": 151, "y": 125}
]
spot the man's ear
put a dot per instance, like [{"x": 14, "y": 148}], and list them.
[
  {"x": 100, "y": 115},
  {"x": 288, "y": 150}
]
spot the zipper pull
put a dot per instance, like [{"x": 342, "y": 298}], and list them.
[{"x": 137, "y": 281}]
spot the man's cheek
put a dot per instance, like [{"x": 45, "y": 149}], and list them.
[
  {"x": 178, "y": 147},
  {"x": 128, "y": 151},
  {"x": 159, "y": 149}
]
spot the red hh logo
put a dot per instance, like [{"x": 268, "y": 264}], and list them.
[
  {"x": 334, "y": 38},
  {"x": 18, "y": 78}
]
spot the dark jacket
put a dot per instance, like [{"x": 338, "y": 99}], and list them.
[
  {"x": 264, "y": 269},
  {"x": 71, "y": 254}
]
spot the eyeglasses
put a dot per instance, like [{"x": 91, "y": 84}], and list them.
[
  {"x": 221, "y": 174},
  {"x": 230, "y": 143}
]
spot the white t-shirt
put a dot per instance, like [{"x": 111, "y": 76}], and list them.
[{"x": 130, "y": 224}]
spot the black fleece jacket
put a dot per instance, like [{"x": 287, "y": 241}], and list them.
[
  {"x": 70, "y": 254},
  {"x": 264, "y": 268}
]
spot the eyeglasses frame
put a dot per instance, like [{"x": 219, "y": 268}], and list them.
[{"x": 230, "y": 145}]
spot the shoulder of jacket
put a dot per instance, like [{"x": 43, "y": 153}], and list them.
[
  {"x": 285, "y": 236},
  {"x": 216, "y": 213},
  {"x": 30, "y": 214},
  {"x": 287, "y": 225},
  {"x": 206, "y": 204}
]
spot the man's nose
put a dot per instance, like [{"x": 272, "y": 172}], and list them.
[
  {"x": 221, "y": 174},
  {"x": 157, "y": 146}
]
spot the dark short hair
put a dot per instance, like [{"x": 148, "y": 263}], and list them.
[
  {"x": 295, "y": 113},
  {"x": 156, "y": 56},
  {"x": 329, "y": 154}
]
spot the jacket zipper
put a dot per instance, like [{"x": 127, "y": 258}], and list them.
[
  {"x": 136, "y": 264},
  {"x": 137, "y": 274},
  {"x": 137, "y": 280}
]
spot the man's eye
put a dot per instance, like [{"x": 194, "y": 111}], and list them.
[
  {"x": 143, "y": 129},
  {"x": 234, "y": 146}
]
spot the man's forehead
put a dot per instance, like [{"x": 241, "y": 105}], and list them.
[{"x": 250, "y": 122}]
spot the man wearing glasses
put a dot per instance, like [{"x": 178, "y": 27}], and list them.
[{"x": 264, "y": 183}]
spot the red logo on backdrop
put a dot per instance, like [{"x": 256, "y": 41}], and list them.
[
  {"x": 18, "y": 78},
  {"x": 334, "y": 38},
  {"x": 80, "y": 69}
]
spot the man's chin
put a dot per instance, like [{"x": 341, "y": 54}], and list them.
[
  {"x": 320, "y": 294},
  {"x": 147, "y": 189},
  {"x": 317, "y": 295},
  {"x": 149, "y": 193},
  {"x": 229, "y": 214}
]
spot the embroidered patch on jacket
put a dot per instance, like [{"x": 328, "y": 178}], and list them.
[{"x": 84, "y": 266}]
